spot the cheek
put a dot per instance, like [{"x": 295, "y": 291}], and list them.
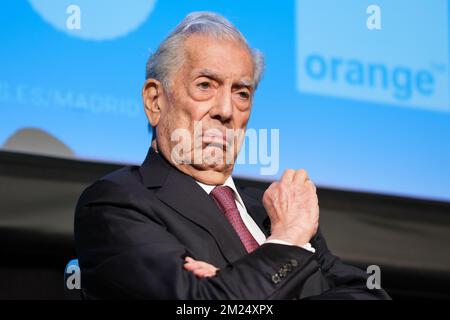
[
  {"x": 178, "y": 114},
  {"x": 242, "y": 118},
  {"x": 188, "y": 108},
  {"x": 191, "y": 114}
]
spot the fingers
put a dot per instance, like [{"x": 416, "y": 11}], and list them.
[
  {"x": 296, "y": 176},
  {"x": 292, "y": 206},
  {"x": 312, "y": 185},
  {"x": 287, "y": 176},
  {"x": 301, "y": 176},
  {"x": 194, "y": 265},
  {"x": 200, "y": 268},
  {"x": 204, "y": 273},
  {"x": 269, "y": 194}
]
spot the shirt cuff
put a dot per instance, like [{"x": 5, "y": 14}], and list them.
[{"x": 307, "y": 246}]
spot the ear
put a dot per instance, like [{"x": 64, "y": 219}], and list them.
[{"x": 152, "y": 94}]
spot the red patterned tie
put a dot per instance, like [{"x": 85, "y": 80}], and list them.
[{"x": 224, "y": 198}]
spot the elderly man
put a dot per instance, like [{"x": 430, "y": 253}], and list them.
[{"x": 178, "y": 227}]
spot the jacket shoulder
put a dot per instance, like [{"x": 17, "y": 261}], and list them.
[{"x": 117, "y": 185}]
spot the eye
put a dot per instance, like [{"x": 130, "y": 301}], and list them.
[
  {"x": 244, "y": 95},
  {"x": 204, "y": 85}
]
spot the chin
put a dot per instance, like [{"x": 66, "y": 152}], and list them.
[
  {"x": 212, "y": 165},
  {"x": 215, "y": 166}
]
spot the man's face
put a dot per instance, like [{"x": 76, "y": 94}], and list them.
[{"x": 210, "y": 98}]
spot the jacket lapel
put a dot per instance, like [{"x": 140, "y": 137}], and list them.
[{"x": 180, "y": 192}]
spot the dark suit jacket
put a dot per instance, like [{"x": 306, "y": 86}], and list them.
[{"x": 134, "y": 227}]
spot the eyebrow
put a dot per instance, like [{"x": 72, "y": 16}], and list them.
[{"x": 250, "y": 84}]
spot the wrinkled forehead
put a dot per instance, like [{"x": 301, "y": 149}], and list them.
[{"x": 226, "y": 58}]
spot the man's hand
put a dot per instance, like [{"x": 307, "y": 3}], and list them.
[
  {"x": 199, "y": 268},
  {"x": 293, "y": 208}
]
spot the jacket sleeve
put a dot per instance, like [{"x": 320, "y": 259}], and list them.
[
  {"x": 124, "y": 253},
  {"x": 345, "y": 281}
]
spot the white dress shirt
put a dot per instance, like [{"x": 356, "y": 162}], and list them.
[{"x": 248, "y": 221}]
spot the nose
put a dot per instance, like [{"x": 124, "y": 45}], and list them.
[{"x": 223, "y": 107}]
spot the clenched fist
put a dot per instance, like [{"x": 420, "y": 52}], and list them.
[{"x": 293, "y": 208}]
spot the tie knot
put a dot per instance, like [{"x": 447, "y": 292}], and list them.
[{"x": 224, "y": 197}]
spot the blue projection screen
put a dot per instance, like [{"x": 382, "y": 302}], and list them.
[{"x": 359, "y": 91}]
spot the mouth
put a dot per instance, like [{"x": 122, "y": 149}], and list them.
[{"x": 216, "y": 139}]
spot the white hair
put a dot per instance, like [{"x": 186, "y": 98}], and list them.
[{"x": 169, "y": 56}]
